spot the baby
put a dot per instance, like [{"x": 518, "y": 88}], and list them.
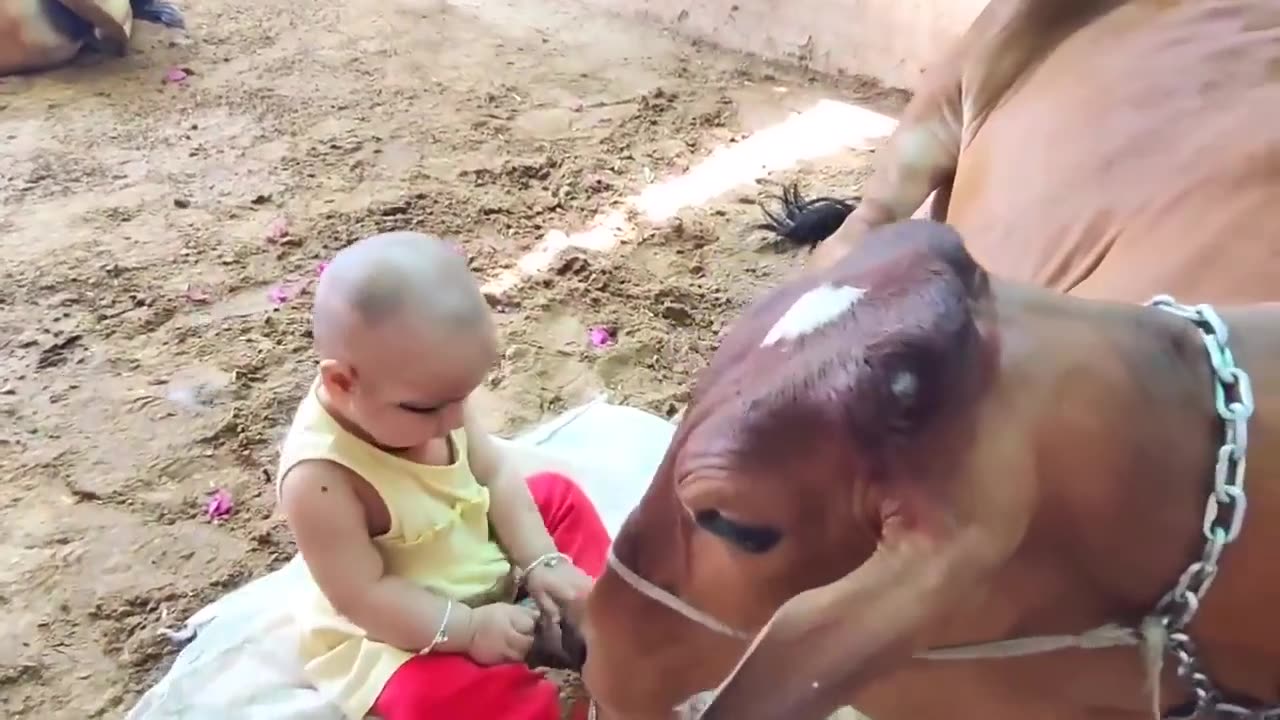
[{"x": 418, "y": 529}]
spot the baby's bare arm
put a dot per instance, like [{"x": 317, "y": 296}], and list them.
[
  {"x": 512, "y": 512},
  {"x": 329, "y": 524}
]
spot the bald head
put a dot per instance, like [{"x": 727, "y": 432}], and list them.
[{"x": 404, "y": 282}]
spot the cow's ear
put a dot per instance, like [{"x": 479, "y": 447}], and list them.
[
  {"x": 920, "y": 378},
  {"x": 928, "y": 353},
  {"x": 911, "y": 386},
  {"x": 916, "y": 375}
]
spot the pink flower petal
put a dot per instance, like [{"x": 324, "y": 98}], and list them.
[
  {"x": 176, "y": 75},
  {"x": 281, "y": 294},
  {"x": 278, "y": 230},
  {"x": 219, "y": 506},
  {"x": 196, "y": 295},
  {"x": 600, "y": 336}
]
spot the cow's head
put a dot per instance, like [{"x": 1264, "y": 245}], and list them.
[{"x": 830, "y": 439}]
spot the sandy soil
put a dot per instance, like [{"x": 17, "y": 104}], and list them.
[{"x": 145, "y": 226}]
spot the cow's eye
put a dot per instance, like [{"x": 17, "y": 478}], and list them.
[{"x": 751, "y": 538}]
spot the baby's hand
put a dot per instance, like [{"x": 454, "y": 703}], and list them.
[
  {"x": 559, "y": 588},
  {"x": 501, "y": 633}
]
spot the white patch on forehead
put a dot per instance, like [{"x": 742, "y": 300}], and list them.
[{"x": 814, "y": 309}]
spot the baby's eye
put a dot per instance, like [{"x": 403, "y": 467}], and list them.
[{"x": 418, "y": 409}]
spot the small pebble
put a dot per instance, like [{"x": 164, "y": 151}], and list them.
[{"x": 278, "y": 230}]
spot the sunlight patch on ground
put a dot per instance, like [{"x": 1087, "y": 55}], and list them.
[{"x": 828, "y": 128}]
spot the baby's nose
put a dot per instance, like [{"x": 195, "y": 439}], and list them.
[{"x": 451, "y": 417}]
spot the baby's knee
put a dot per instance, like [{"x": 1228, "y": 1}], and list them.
[{"x": 561, "y": 487}]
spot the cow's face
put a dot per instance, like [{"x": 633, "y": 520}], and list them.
[{"x": 829, "y": 416}]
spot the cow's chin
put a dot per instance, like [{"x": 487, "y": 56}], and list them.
[
  {"x": 690, "y": 709},
  {"x": 642, "y": 659},
  {"x": 634, "y": 695}
]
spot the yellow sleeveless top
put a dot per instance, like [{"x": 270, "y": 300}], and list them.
[{"x": 439, "y": 538}]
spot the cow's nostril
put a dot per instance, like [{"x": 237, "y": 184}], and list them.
[{"x": 575, "y": 649}]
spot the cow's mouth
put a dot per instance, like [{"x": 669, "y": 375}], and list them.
[{"x": 559, "y": 647}]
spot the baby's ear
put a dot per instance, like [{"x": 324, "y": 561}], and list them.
[{"x": 337, "y": 377}]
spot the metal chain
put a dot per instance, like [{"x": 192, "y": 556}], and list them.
[
  {"x": 1206, "y": 698},
  {"x": 1223, "y": 514}
]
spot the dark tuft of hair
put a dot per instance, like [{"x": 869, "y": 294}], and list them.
[{"x": 801, "y": 223}]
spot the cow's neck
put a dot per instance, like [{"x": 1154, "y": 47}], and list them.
[{"x": 1129, "y": 440}]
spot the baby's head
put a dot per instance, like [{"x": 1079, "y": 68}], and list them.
[{"x": 404, "y": 336}]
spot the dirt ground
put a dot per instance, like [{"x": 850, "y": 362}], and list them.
[{"x": 159, "y": 240}]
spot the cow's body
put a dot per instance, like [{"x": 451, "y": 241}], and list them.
[
  {"x": 41, "y": 34},
  {"x": 1115, "y": 151},
  {"x": 1134, "y": 159},
  {"x": 1110, "y": 149}
]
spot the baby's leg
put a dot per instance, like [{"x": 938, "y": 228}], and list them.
[
  {"x": 432, "y": 687},
  {"x": 572, "y": 520}
]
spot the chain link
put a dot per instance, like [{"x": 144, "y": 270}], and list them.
[{"x": 1223, "y": 515}]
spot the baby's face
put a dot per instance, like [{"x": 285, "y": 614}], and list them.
[{"x": 405, "y": 396}]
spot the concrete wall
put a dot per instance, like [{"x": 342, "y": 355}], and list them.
[{"x": 890, "y": 40}]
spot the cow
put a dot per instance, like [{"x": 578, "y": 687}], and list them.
[
  {"x": 1108, "y": 149},
  {"x": 41, "y": 34},
  {"x": 962, "y": 468}
]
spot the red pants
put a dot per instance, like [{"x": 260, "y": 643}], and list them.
[{"x": 452, "y": 687}]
